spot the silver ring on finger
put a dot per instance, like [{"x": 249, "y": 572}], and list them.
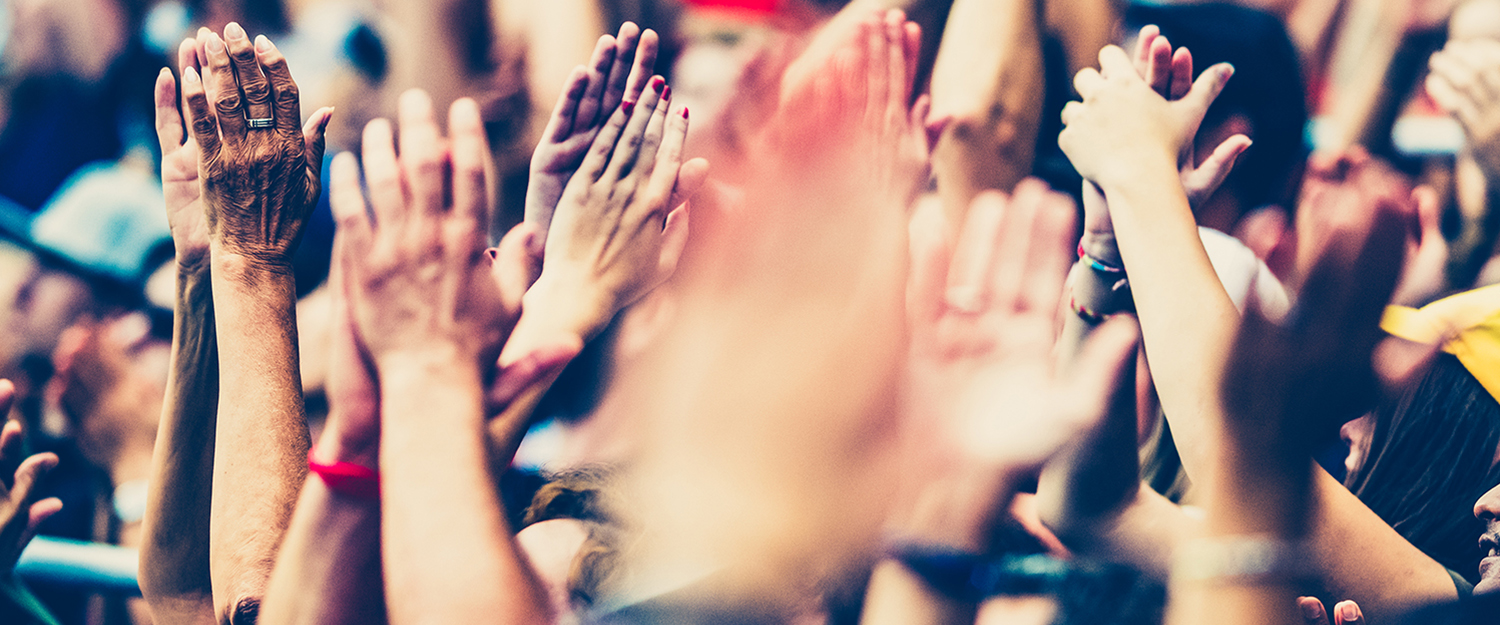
[{"x": 262, "y": 122}]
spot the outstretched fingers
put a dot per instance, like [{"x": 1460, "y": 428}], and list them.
[
  {"x": 1208, "y": 87},
  {"x": 287, "y": 109},
  {"x": 222, "y": 89},
  {"x": 565, "y": 114},
  {"x": 201, "y": 118},
  {"x": 169, "y": 130},
  {"x": 471, "y": 197},
  {"x": 646, "y": 160},
  {"x": 422, "y": 159},
  {"x": 633, "y": 136},
  {"x": 346, "y": 199},
  {"x": 253, "y": 84}
]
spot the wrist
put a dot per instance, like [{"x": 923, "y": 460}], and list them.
[
  {"x": 1146, "y": 169},
  {"x": 556, "y": 305},
  {"x": 246, "y": 268},
  {"x": 335, "y": 447}
]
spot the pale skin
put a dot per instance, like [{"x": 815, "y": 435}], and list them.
[
  {"x": 1123, "y": 137},
  {"x": 234, "y": 238},
  {"x": 980, "y": 327},
  {"x": 432, "y": 319}
]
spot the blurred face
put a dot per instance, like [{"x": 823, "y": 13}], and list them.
[
  {"x": 42, "y": 304},
  {"x": 1487, "y": 510}
]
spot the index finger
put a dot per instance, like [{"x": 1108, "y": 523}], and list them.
[{"x": 645, "y": 64}]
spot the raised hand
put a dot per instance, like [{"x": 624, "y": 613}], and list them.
[
  {"x": 1123, "y": 118},
  {"x": 983, "y": 398},
  {"x": 417, "y": 275},
  {"x": 20, "y": 511},
  {"x": 617, "y": 72},
  {"x": 180, "y": 158},
  {"x": 618, "y": 230},
  {"x": 260, "y": 170},
  {"x": 1464, "y": 80}
]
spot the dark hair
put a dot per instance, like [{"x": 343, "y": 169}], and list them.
[
  {"x": 1431, "y": 457},
  {"x": 1267, "y": 88}
]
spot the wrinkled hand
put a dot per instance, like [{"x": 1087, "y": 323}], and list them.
[
  {"x": 259, "y": 184},
  {"x": 179, "y": 165},
  {"x": 416, "y": 276},
  {"x": 617, "y": 72},
  {"x": 1122, "y": 121},
  {"x": 20, "y": 512},
  {"x": 1464, "y": 80},
  {"x": 982, "y": 332},
  {"x": 620, "y": 226}
]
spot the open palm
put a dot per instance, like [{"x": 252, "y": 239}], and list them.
[{"x": 179, "y": 167}]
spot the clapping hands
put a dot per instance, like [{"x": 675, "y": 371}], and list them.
[
  {"x": 1124, "y": 122},
  {"x": 617, "y": 72}
]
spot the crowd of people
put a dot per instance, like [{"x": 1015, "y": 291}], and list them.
[{"x": 893, "y": 311}]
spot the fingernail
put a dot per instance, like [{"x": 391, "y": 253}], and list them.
[
  {"x": 216, "y": 44},
  {"x": 1351, "y": 613},
  {"x": 263, "y": 45},
  {"x": 627, "y": 106},
  {"x": 232, "y": 30},
  {"x": 1312, "y": 611},
  {"x": 666, "y": 93},
  {"x": 684, "y": 112},
  {"x": 657, "y": 83},
  {"x": 189, "y": 74}
]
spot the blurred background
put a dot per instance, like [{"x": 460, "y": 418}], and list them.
[{"x": 85, "y": 257}]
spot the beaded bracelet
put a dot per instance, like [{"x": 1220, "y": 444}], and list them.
[
  {"x": 1096, "y": 264},
  {"x": 1084, "y": 312}
]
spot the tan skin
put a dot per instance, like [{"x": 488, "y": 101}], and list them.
[
  {"x": 427, "y": 311},
  {"x": 234, "y": 239},
  {"x": 1124, "y": 137}
]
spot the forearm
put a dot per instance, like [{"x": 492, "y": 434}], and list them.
[
  {"x": 174, "y": 572},
  {"x": 328, "y": 570},
  {"x": 260, "y": 459},
  {"x": 1187, "y": 319},
  {"x": 988, "y": 81},
  {"x": 449, "y": 555}
]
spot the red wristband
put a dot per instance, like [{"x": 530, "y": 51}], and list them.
[{"x": 347, "y": 478}]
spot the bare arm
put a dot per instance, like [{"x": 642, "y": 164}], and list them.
[
  {"x": 174, "y": 573},
  {"x": 259, "y": 185},
  {"x": 988, "y": 81},
  {"x": 1186, "y": 318}
]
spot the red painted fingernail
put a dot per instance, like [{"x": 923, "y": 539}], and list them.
[
  {"x": 684, "y": 112},
  {"x": 666, "y": 93},
  {"x": 627, "y": 106},
  {"x": 657, "y": 83}
]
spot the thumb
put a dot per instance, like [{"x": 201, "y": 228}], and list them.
[
  {"x": 1348, "y": 613},
  {"x": 1206, "y": 178},
  {"x": 1313, "y": 612},
  {"x": 1208, "y": 86},
  {"x": 690, "y": 178},
  {"x": 514, "y": 266},
  {"x": 313, "y": 136}
]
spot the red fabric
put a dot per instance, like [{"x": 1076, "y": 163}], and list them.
[
  {"x": 347, "y": 478},
  {"x": 758, "y": 6}
]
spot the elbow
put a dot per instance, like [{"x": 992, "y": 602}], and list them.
[{"x": 992, "y": 136}]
